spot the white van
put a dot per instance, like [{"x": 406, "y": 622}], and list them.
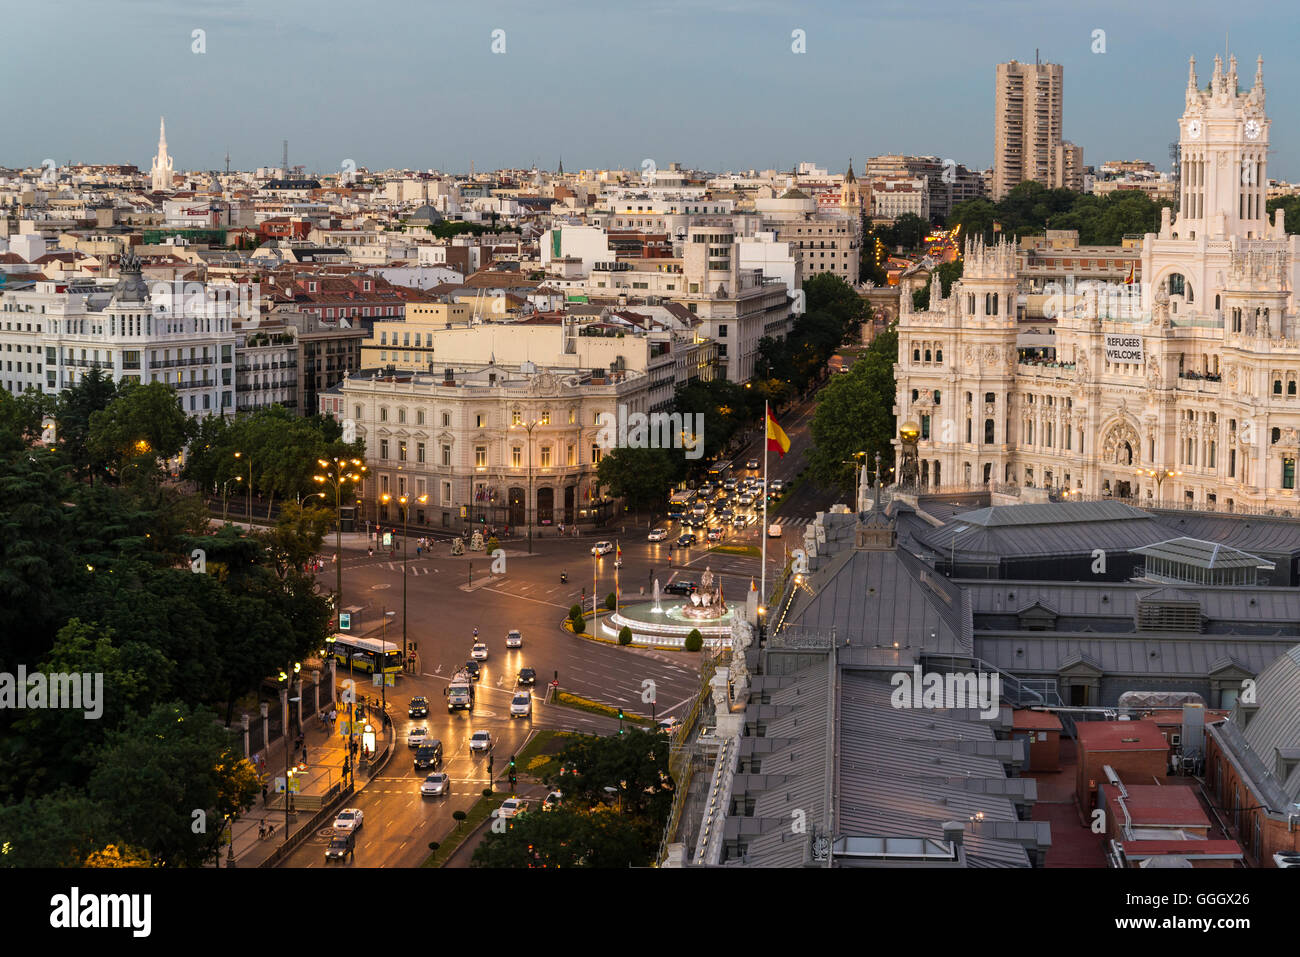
[{"x": 774, "y": 531}]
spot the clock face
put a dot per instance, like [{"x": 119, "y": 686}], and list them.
[
  {"x": 1252, "y": 129},
  {"x": 1194, "y": 129}
]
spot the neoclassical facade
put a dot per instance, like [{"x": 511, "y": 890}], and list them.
[{"x": 1194, "y": 375}]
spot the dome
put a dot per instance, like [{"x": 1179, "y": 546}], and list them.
[
  {"x": 131, "y": 287},
  {"x": 426, "y": 214}
]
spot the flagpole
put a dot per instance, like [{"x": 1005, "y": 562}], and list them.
[
  {"x": 618, "y": 557},
  {"x": 762, "y": 595}
]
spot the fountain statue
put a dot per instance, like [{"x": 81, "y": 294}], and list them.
[{"x": 706, "y": 603}]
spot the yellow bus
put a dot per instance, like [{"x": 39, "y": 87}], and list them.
[{"x": 366, "y": 654}]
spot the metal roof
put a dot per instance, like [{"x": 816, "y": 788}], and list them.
[
  {"x": 1052, "y": 513},
  {"x": 1199, "y": 554}
]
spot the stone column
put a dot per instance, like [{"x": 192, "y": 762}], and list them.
[
  {"x": 266, "y": 727},
  {"x": 244, "y": 722},
  {"x": 284, "y": 710},
  {"x": 315, "y": 691}
]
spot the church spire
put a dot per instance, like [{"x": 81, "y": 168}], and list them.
[
  {"x": 1191, "y": 74},
  {"x": 1259, "y": 73}
]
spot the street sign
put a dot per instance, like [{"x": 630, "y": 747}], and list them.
[
  {"x": 279, "y": 785},
  {"x": 390, "y": 680},
  {"x": 464, "y": 511},
  {"x": 345, "y": 620},
  {"x": 377, "y": 679}
]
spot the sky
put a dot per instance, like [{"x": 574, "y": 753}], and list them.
[{"x": 712, "y": 84}]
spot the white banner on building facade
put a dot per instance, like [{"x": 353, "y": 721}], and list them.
[{"x": 1123, "y": 348}]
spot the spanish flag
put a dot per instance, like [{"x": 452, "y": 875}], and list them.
[
  {"x": 1131, "y": 270},
  {"x": 777, "y": 440}
]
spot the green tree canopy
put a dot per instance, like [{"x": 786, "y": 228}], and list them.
[{"x": 855, "y": 414}]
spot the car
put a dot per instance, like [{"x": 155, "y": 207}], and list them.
[
  {"x": 419, "y": 707},
  {"x": 436, "y": 784},
  {"x": 341, "y": 846},
  {"x": 552, "y": 801},
  {"x": 510, "y": 808},
  {"x": 778, "y": 485},
  {"x": 479, "y": 652},
  {"x": 752, "y": 464},
  {"x": 746, "y": 499},
  {"x": 514, "y": 639},
  {"x": 740, "y": 521},
  {"x": 676, "y": 513},
  {"x": 602, "y": 548},
  {"x": 429, "y": 755},
  {"x": 472, "y": 667},
  {"x": 480, "y": 741},
  {"x": 521, "y": 705},
  {"x": 715, "y": 535},
  {"x": 658, "y": 535},
  {"x": 350, "y": 819},
  {"x": 682, "y": 587},
  {"x": 726, "y": 513},
  {"x": 730, "y": 484},
  {"x": 774, "y": 531},
  {"x": 669, "y": 725},
  {"x": 416, "y": 737},
  {"x": 527, "y": 676},
  {"x": 686, "y": 541}
]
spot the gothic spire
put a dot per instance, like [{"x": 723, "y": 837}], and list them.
[{"x": 1191, "y": 74}]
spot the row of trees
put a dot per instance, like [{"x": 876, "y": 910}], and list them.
[
  {"x": 1031, "y": 208},
  {"x": 594, "y": 828},
  {"x": 96, "y": 552}
]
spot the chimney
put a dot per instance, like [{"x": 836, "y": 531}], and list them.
[{"x": 954, "y": 833}]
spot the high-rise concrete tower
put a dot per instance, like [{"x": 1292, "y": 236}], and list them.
[
  {"x": 160, "y": 172},
  {"x": 1027, "y": 120}
]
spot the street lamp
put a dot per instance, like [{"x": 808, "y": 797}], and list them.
[
  {"x": 1159, "y": 475},
  {"x": 250, "y": 486},
  {"x": 404, "y": 503},
  {"x": 338, "y": 478},
  {"x": 528, "y": 506}
]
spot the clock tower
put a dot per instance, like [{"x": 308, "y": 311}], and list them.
[{"x": 1224, "y": 140}]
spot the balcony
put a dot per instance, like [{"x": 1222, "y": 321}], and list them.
[{"x": 1194, "y": 382}]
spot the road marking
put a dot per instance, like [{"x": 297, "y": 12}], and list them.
[{"x": 525, "y": 597}]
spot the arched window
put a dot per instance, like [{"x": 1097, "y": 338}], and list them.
[{"x": 1177, "y": 285}]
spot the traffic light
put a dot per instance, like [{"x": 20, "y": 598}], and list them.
[
  {"x": 620, "y": 720},
  {"x": 512, "y": 762}
]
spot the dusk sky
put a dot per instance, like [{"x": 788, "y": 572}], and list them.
[{"x": 712, "y": 84}]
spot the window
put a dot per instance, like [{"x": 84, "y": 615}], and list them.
[
  {"x": 570, "y": 459},
  {"x": 1288, "y": 472},
  {"x": 446, "y": 493},
  {"x": 419, "y": 417},
  {"x": 383, "y": 448},
  {"x": 925, "y": 426},
  {"x": 419, "y": 452},
  {"x": 595, "y": 455},
  {"x": 573, "y": 416},
  {"x": 401, "y": 451},
  {"x": 446, "y": 419},
  {"x": 546, "y": 457},
  {"x": 516, "y": 457},
  {"x": 478, "y": 420},
  {"x": 446, "y": 454},
  {"x": 480, "y": 456},
  {"x": 546, "y": 417},
  {"x": 516, "y": 418},
  {"x": 383, "y": 414},
  {"x": 401, "y": 416},
  {"x": 990, "y": 398},
  {"x": 938, "y": 355}
]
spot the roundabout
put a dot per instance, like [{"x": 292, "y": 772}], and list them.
[{"x": 668, "y": 624}]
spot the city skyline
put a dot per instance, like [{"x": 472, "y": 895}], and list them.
[{"x": 340, "y": 91}]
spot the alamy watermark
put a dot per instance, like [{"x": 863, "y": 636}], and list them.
[
  {"x": 976, "y": 690},
  {"x": 76, "y": 692},
  {"x": 654, "y": 430}
]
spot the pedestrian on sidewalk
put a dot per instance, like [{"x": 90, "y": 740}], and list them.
[
  {"x": 334, "y": 719},
  {"x": 264, "y": 792},
  {"x": 371, "y": 551},
  {"x": 304, "y": 754}
]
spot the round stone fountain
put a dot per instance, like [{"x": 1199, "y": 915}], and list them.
[{"x": 654, "y": 624}]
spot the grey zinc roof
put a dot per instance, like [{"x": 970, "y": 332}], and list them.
[
  {"x": 876, "y": 597},
  {"x": 973, "y": 539},
  {"x": 1221, "y": 603},
  {"x": 1051, "y": 513},
  {"x": 1199, "y": 554},
  {"x": 902, "y": 773},
  {"x": 1275, "y": 727},
  {"x": 1173, "y": 656}
]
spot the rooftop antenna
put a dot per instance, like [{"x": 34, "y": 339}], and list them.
[
  {"x": 227, "y": 161},
  {"x": 1037, "y": 62},
  {"x": 284, "y": 164}
]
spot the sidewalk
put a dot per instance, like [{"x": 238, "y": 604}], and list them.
[{"x": 326, "y": 750}]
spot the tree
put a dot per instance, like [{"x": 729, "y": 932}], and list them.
[
  {"x": 636, "y": 762},
  {"x": 72, "y": 419},
  {"x": 855, "y": 414},
  {"x": 566, "y": 837},
  {"x": 167, "y": 775},
  {"x": 694, "y": 641},
  {"x": 625, "y": 635},
  {"x": 114, "y": 856},
  {"x": 910, "y": 231},
  {"x": 611, "y": 601},
  {"x": 21, "y": 417},
  {"x": 53, "y": 830},
  {"x": 140, "y": 426},
  {"x": 641, "y": 477},
  {"x": 296, "y": 536}
]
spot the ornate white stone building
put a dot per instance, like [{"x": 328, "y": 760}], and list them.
[{"x": 1199, "y": 381}]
